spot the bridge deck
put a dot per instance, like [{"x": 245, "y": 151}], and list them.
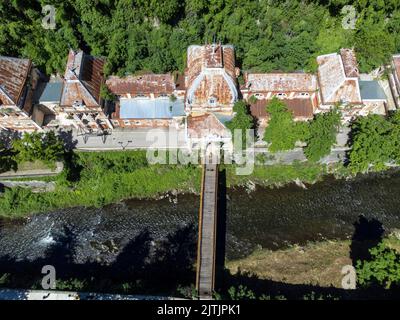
[{"x": 207, "y": 232}]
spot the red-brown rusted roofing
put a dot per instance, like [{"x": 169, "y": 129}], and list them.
[
  {"x": 204, "y": 125},
  {"x": 209, "y": 56},
  {"x": 92, "y": 75},
  {"x": 280, "y": 82},
  {"x": 396, "y": 64},
  {"x": 13, "y": 76},
  {"x": 143, "y": 84},
  {"x": 301, "y": 108},
  {"x": 334, "y": 85},
  {"x": 350, "y": 63},
  {"x": 83, "y": 79}
]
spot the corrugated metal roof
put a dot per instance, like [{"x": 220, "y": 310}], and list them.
[
  {"x": 350, "y": 63},
  {"x": 83, "y": 79},
  {"x": 161, "y": 108},
  {"x": 13, "y": 75},
  {"x": 301, "y": 108},
  {"x": 52, "y": 92},
  {"x": 335, "y": 86},
  {"x": 205, "y": 125},
  {"x": 211, "y": 73},
  {"x": 371, "y": 90},
  {"x": 143, "y": 84},
  {"x": 281, "y": 82}
]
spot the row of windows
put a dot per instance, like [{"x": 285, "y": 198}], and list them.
[{"x": 281, "y": 95}]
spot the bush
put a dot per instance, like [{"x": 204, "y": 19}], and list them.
[
  {"x": 321, "y": 135},
  {"x": 282, "y": 131},
  {"x": 382, "y": 271}
]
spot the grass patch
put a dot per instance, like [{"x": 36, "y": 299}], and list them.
[
  {"x": 277, "y": 174},
  {"x": 101, "y": 178},
  {"x": 317, "y": 263},
  {"x": 34, "y": 165}
]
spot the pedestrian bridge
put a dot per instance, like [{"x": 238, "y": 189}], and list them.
[{"x": 206, "y": 252}]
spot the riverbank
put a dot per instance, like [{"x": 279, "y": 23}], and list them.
[
  {"x": 102, "y": 178},
  {"x": 103, "y": 187},
  {"x": 315, "y": 264}
]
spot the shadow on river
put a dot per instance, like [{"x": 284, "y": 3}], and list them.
[{"x": 152, "y": 244}]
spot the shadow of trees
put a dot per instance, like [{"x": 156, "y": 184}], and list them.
[
  {"x": 72, "y": 167},
  {"x": 367, "y": 235},
  {"x": 145, "y": 265},
  {"x": 7, "y": 161},
  {"x": 142, "y": 264}
]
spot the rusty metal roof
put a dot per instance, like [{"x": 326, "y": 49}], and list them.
[
  {"x": 334, "y": 84},
  {"x": 13, "y": 76},
  {"x": 204, "y": 125},
  {"x": 280, "y": 82},
  {"x": 209, "y": 56},
  {"x": 211, "y": 73},
  {"x": 83, "y": 79},
  {"x": 301, "y": 108},
  {"x": 350, "y": 63},
  {"x": 142, "y": 85},
  {"x": 396, "y": 64}
]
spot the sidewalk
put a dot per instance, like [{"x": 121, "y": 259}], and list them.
[{"x": 132, "y": 139}]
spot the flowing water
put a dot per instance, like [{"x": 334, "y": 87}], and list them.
[{"x": 268, "y": 218}]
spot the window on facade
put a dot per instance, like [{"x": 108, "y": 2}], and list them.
[
  {"x": 212, "y": 101},
  {"x": 127, "y": 122},
  {"x": 281, "y": 95}
]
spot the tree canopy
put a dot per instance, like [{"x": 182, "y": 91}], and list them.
[
  {"x": 321, "y": 135},
  {"x": 282, "y": 131},
  {"x": 382, "y": 271},
  {"x": 375, "y": 141},
  {"x": 47, "y": 147},
  {"x": 136, "y": 35},
  {"x": 241, "y": 121}
]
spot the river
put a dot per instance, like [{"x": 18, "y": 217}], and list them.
[{"x": 267, "y": 218}]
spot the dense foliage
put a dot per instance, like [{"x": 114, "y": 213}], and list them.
[
  {"x": 376, "y": 142},
  {"x": 321, "y": 135},
  {"x": 383, "y": 270},
  {"x": 282, "y": 131},
  {"x": 137, "y": 35},
  {"x": 46, "y": 147},
  {"x": 241, "y": 121}
]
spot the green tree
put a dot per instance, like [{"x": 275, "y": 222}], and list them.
[
  {"x": 383, "y": 270},
  {"x": 241, "y": 121},
  {"x": 46, "y": 147},
  {"x": 371, "y": 143},
  {"x": 321, "y": 135},
  {"x": 282, "y": 131}
]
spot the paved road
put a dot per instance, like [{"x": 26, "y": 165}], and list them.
[{"x": 132, "y": 139}]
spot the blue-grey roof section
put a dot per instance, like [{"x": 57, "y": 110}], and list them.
[
  {"x": 142, "y": 108},
  {"x": 223, "y": 118},
  {"x": 371, "y": 90},
  {"x": 51, "y": 93}
]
